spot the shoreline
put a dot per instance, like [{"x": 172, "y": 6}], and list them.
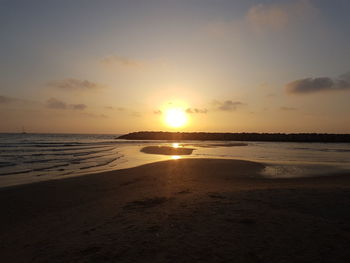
[
  {"x": 75, "y": 156},
  {"x": 263, "y": 173},
  {"x": 184, "y": 210}
]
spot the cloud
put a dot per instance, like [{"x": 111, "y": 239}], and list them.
[
  {"x": 78, "y": 106},
  {"x": 287, "y": 108},
  {"x": 95, "y": 116},
  {"x": 195, "y": 110},
  {"x": 5, "y": 100},
  {"x": 262, "y": 18},
  {"x": 277, "y": 16},
  {"x": 19, "y": 103},
  {"x": 121, "y": 61},
  {"x": 12, "y": 100},
  {"x": 345, "y": 76},
  {"x": 158, "y": 112},
  {"x": 313, "y": 85},
  {"x": 71, "y": 84},
  {"x": 54, "y": 103},
  {"x": 188, "y": 110},
  {"x": 227, "y": 105}
]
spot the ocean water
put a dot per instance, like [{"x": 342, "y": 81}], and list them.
[{"x": 27, "y": 158}]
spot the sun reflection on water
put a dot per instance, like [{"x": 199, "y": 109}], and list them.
[
  {"x": 176, "y": 145},
  {"x": 175, "y": 157}
]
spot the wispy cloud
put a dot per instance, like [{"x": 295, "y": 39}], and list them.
[
  {"x": 157, "y": 112},
  {"x": 278, "y": 16},
  {"x": 321, "y": 84},
  {"x": 227, "y": 105},
  {"x": 94, "y": 115},
  {"x": 6, "y": 100},
  {"x": 54, "y": 103},
  {"x": 72, "y": 84},
  {"x": 270, "y": 17},
  {"x": 196, "y": 110},
  {"x": 19, "y": 103},
  {"x": 11, "y": 100},
  {"x": 78, "y": 106},
  {"x": 121, "y": 61}
]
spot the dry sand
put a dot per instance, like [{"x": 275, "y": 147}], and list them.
[{"x": 195, "y": 210}]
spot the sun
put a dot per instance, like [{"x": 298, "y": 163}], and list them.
[{"x": 175, "y": 117}]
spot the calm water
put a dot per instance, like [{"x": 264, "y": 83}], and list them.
[{"x": 26, "y": 158}]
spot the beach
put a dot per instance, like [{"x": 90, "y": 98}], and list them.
[
  {"x": 186, "y": 210},
  {"x": 175, "y": 131}
]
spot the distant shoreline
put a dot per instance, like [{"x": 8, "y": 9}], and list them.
[{"x": 267, "y": 137}]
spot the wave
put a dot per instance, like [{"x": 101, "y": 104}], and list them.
[
  {"x": 34, "y": 149},
  {"x": 58, "y": 153},
  {"x": 52, "y": 157},
  {"x": 68, "y": 160},
  {"x": 100, "y": 164},
  {"x": 6, "y": 164}
]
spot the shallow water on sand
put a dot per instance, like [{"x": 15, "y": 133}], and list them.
[{"x": 26, "y": 158}]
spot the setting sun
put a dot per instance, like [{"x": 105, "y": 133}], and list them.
[{"x": 175, "y": 117}]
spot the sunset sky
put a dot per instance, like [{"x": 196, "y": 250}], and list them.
[{"x": 120, "y": 66}]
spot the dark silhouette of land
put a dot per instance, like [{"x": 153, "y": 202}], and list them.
[{"x": 268, "y": 137}]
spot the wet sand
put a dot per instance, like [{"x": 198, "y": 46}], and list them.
[
  {"x": 214, "y": 145},
  {"x": 166, "y": 150},
  {"x": 194, "y": 210}
]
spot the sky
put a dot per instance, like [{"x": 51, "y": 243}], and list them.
[{"x": 120, "y": 66}]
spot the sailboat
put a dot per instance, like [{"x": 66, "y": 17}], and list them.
[{"x": 23, "y": 131}]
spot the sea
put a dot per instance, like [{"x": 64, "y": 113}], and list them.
[{"x": 29, "y": 158}]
